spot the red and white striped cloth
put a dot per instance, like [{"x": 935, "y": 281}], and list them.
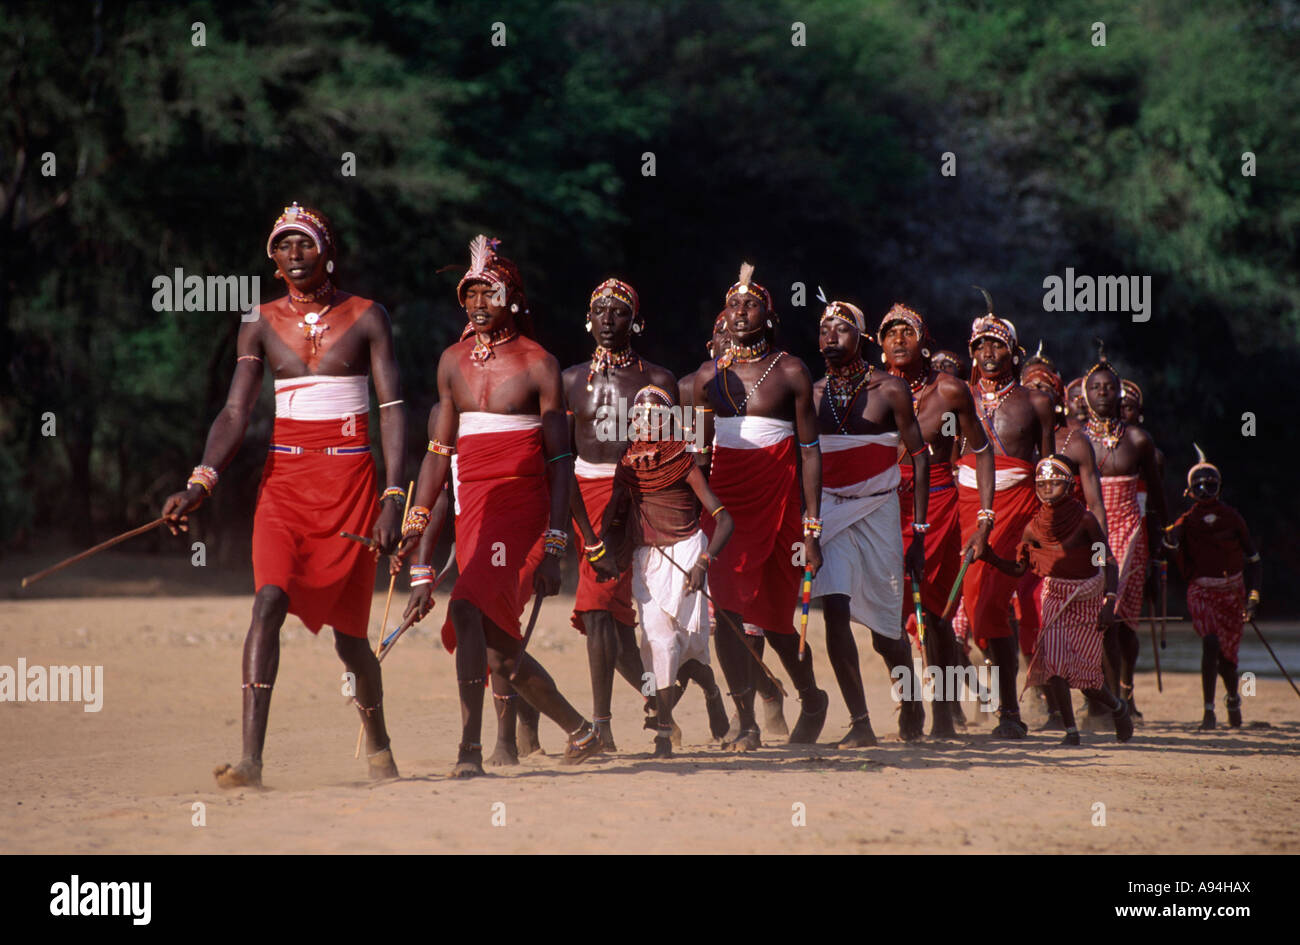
[
  {"x": 1128, "y": 541},
  {"x": 1216, "y": 605},
  {"x": 862, "y": 547},
  {"x": 1069, "y": 642}
]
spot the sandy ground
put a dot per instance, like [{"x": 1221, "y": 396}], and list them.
[{"x": 125, "y": 779}]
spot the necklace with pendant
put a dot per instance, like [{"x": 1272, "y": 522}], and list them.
[
  {"x": 844, "y": 385},
  {"x": 312, "y": 328},
  {"x": 605, "y": 361},
  {"x": 991, "y": 400}
]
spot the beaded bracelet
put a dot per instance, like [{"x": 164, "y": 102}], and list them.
[
  {"x": 394, "y": 492},
  {"x": 594, "y": 556},
  {"x": 204, "y": 476},
  {"x": 812, "y": 526},
  {"x": 1254, "y": 596},
  {"x": 556, "y": 541},
  {"x": 920, "y": 528},
  {"x": 706, "y": 558},
  {"x": 985, "y": 515},
  {"x": 416, "y": 521},
  {"x": 440, "y": 448},
  {"x": 421, "y": 574},
  {"x": 719, "y": 510},
  {"x": 808, "y": 446}
]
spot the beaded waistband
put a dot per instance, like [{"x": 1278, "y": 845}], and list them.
[{"x": 327, "y": 450}]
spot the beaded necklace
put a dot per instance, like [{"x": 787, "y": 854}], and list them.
[
  {"x": 324, "y": 291},
  {"x": 607, "y": 362},
  {"x": 843, "y": 384},
  {"x": 991, "y": 400},
  {"x": 1106, "y": 430},
  {"x": 483, "y": 349},
  {"x": 745, "y": 353},
  {"x": 312, "y": 328},
  {"x": 721, "y": 382}
]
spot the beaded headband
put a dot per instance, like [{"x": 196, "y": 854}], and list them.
[
  {"x": 1201, "y": 463},
  {"x": 846, "y": 312},
  {"x": 1130, "y": 391},
  {"x": 1043, "y": 369},
  {"x": 482, "y": 256},
  {"x": 901, "y": 313},
  {"x": 941, "y": 358},
  {"x": 1053, "y": 470},
  {"x": 617, "y": 289},
  {"x": 745, "y": 285},
  {"x": 990, "y": 326},
  {"x": 302, "y": 220}
]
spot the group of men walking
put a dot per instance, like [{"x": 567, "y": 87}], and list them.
[{"x": 704, "y": 507}]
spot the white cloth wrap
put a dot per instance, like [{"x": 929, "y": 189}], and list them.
[
  {"x": 844, "y": 505},
  {"x": 864, "y": 562},
  {"x": 1004, "y": 478},
  {"x": 480, "y": 421},
  {"x": 586, "y": 470},
  {"x": 750, "y": 433},
  {"x": 674, "y": 624},
  {"x": 322, "y": 397}
]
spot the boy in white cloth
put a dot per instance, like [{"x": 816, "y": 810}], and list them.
[{"x": 658, "y": 491}]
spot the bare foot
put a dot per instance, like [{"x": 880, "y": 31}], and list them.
[
  {"x": 911, "y": 720},
  {"x": 860, "y": 736},
  {"x": 526, "y": 740},
  {"x": 663, "y": 747},
  {"x": 382, "y": 765},
  {"x": 504, "y": 755},
  {"x": 774, "y": 716},
  {"x": 605, "y": 733},
  {"x": 244, "y": 774},
  {"x": 717, "y": 710},
  {"x": 584, "y": 745},
  {"x": 469, "y": 762},
  {"x": 745, "y": 740},
  {"x": 811, "y": 718},
  {"x": 941, "y": 721}
]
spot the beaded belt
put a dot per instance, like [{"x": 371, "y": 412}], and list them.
[{"x": 327, "y": 450}]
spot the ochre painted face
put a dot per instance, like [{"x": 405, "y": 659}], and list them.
[
  {"x": 650, "y": 421},
  {"x": 611, "y": 322},
  {"x": 485, "y": 304},
  {"x": 902, "y": 347},
  {"x": 1074, "y": 398},
  {"x": 299, "y": 260}
]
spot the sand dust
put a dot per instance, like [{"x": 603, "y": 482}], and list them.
[{"x": 125, "y": 779}]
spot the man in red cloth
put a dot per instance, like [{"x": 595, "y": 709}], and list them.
[
  {"x": 599, "y": 393},
  {"x": 1018, "y": 423},
  {"x": 1125, "y": 456},
  {"x": 1213, "y": 550},
  {"x": 765, "y": 454},
  {"x": 1058, "y": 544},
  {"x": 945, "y": 410},
  {"x": 320, "y": 343},
  {"x": 501, "y": 412}
]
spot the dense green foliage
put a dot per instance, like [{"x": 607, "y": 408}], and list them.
[{"x": 820, "y": 163}]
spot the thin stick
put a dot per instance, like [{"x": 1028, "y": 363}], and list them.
[
  {"x": 392, "y": 581},
  {"x": 1260, "y": 633},
  {"x": 33, "y": 578},
  {"x": 1155, "y": 650},
  {"x": 956, "y": 586},
  {"x": 528, "y": 635},
  {"x": 390, "y": 641}
]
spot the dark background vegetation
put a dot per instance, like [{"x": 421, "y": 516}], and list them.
[{"x": 821, "y": 164}]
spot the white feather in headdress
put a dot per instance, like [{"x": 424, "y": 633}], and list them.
[
  {"x": 480, "y": 252},
  {"x": 746, "y": 273}
]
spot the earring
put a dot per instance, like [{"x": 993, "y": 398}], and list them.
[
  {"x": 514, "y": 307},
  {"x": 637, "y": 328},
  {"x": 925, "y": 352},
  {"x": 1016, "y": 359},
  {"x": 883, "y": 359},
  {"x": 769, "y": 323},
  {"x": 589, "y": 324},
  {"x": 279, "y": 274},
  {"x": 329, "y": 266}
]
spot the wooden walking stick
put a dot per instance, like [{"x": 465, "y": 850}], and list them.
[
  {"x": 528, "y": 635},
  {"x": 1260, "y": 634},
  {"x": 392, "y": 581},
  {"x": 33, "y": 578},
  {"x": 949, "y": 607},
  {"x": 1155, "y": 649}
]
